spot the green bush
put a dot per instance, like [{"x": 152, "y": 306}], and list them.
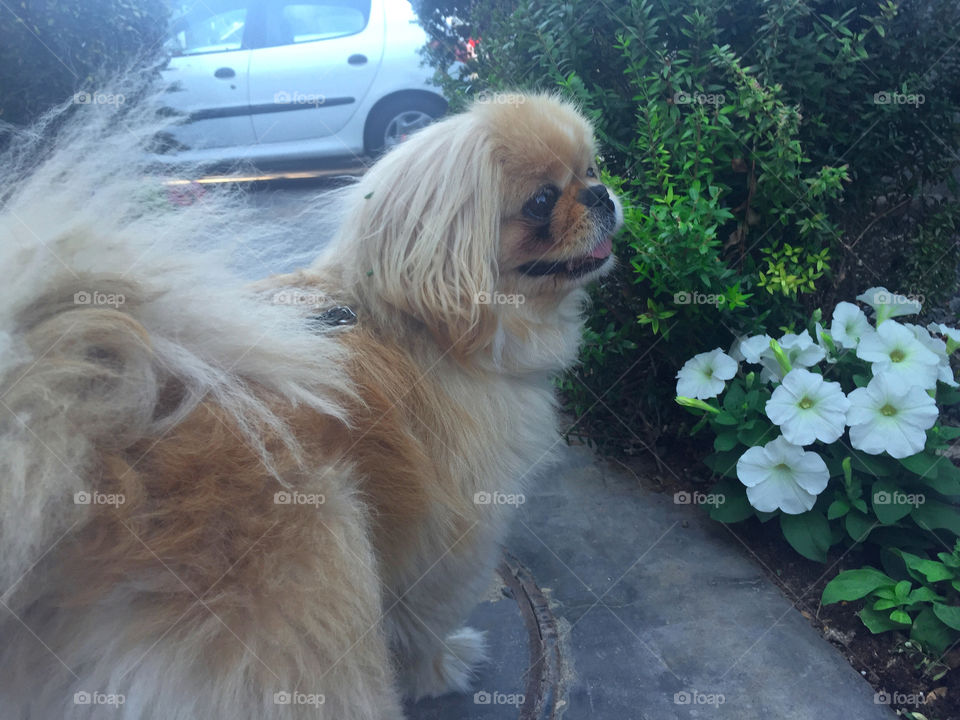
[
  {"x": 775, "y": 156},
  {"x": 53, "y": 50}
]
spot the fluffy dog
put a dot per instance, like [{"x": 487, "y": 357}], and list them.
[{"x": 216, "y": 503}]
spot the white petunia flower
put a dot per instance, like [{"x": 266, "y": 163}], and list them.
[
  {"x": 782, "y": 475},
  {"x": 893, "y": 349},
  {"x": 887, "y": 304},
  {"x": 808, "y": 408},
  {"x": 888, "y": 416},
  {"x": 752, "y": 348},
  {"x": 849, "y": 324},
  {"x": 939, "y": 348},
  {"x": 704, "y": 376},
  {"x": 801, "y": 350}
]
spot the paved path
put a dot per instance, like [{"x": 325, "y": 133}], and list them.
[{"x": 655, "y": 605}]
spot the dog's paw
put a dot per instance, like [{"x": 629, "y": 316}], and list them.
[
  {"x": 453, "y": 668},
  {"x": 466, "y": 649}
]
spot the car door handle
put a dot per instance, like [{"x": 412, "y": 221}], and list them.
[
  {"x": 357, "y": 59},
  {"x": 225, "y": 72}
]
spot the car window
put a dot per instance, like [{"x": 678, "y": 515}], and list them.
[
  {"x": 306, "y": 21},
  {"x": 209, "y": 26}
]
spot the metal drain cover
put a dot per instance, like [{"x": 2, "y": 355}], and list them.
[{"x": 525, "y": 676}]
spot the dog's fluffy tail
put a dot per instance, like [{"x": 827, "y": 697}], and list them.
[{"x": 118, "y": 316}]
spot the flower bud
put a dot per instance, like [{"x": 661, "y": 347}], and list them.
[
  {"x": 781, "y": 357},
  {"x": 695, "y": 403}
]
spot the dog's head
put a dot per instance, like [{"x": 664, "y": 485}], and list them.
[{"x": 495, "y": 212}]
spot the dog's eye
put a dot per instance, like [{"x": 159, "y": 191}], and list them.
[
  {"x": 541, "y": 204},
  {"x": 591, "y": 172}
]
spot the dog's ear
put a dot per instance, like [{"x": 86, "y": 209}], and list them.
[{"x": 429, "y": 232}]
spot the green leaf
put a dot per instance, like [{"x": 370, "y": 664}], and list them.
[
  {"x": 932, "y": 570},
  {"x": 949, "y": 432},
  {"x": 759, "y": 434},
  {"x": 933, "y": 515},
  {"x": 922, "y": 463},
  {"x": 950, "y": 559},
  {"x": 854, "y": 584},
  {"x": 837, "y": 509},
  {"x": 932, "y": 634},
  {"x": 924, "y": 595},
  {"x": 873, "y": 464},
  {"x": 735, "y": 506},
  {"x": 935, "y": 471},
  {"x": 886, "y": 499},
  {"x": 878, "y": 622},
  {"x": 948, "y": 614},
  {"x": 725, "y": 418},
  {"x": 724, "y": 463},
  {"x": 808, "y": 534},
  {"x": 858, "y": 525},
  {"x": 947, "y": 480},
  {"x": 726, "y": 440},
  {"x": 902, "y": 590},
  {"x": 899, "y": 616},
  {"x": 734, "y": 398}
]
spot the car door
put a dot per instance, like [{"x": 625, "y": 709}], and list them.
[
  {"x": 208, "y": 73},
  {"x": 317, "y": 61}
]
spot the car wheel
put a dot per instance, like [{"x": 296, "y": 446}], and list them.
[{"x": 395, "y": 120}]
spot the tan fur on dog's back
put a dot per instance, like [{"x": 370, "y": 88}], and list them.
[{"x": 198, "y": 596}]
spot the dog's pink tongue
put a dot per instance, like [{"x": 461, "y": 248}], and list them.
[{"x": 603, "y": 249}]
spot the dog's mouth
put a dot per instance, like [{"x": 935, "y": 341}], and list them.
[{"x": 572, "y": 268}]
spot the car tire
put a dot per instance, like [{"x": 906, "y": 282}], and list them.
[{"x": 392, "y": 121}]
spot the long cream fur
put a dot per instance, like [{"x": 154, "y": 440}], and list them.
[{"x": 134, "y": 363}]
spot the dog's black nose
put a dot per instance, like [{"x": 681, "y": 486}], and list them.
[{"x": 596, "y": 196}]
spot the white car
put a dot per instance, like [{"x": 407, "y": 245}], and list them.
[{"x": 276, "y": 80}]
